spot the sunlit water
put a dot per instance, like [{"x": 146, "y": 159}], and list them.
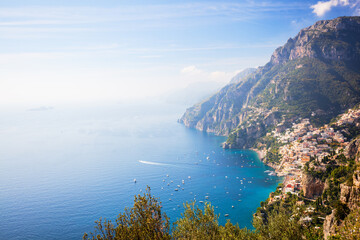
[{"x": 63, "y": 168}]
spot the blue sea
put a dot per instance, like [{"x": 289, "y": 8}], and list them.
[{"x": 63, "y": 167}]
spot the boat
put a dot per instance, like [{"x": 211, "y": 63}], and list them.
[
  {"x": 178, "y": 186},
  {"x": 201, "y": 201},
  {"x": 206, "y": 197},
  {"x": 189, "y": 177},
  {"x": 183, "y": 182},
  {"x": 226, "y": 215},
  {"x": 134, "y": 180},
  {"x": 176, "y": 189},
  {"x": 232, "y": 206}
]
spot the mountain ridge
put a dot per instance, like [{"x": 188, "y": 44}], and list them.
[{"x": 315, "y": 75}]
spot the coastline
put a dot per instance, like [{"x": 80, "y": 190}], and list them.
[{"x": 261, "y": 155}]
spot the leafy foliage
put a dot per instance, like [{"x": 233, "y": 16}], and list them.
[
  {"x": 143, "y": 221},
  {"x": 203, "y": 224},
  {"x": 197, "y": 224}
]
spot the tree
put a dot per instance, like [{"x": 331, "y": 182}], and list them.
[
  {"x": 196, "y": 223},
  {"x": 278, "y": 226},
  {"x": 203, "y": 224},
  {"x": 143, "y": 221}
]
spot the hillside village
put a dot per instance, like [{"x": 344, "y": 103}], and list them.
[{"x": 303, "y": 142}]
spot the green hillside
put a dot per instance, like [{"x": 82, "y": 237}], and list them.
[{"x": 314, "y": 75}]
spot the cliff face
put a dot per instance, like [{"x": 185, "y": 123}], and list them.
[
  {"x": 221, "y": 113},
  {"x": 350, "y": 195},
  {"x": 330, "y": 225},
  {"x": 352, "y": 150},
  {"x": 308, "y": 42},
  {"x": 312, "y": 187},
  {"x": 316, "y": 75}
]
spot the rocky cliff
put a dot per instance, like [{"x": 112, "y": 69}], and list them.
[
  {"x": 316, "y": 41},
  {"x": 316, "y": 75},
  {"x": 311, "y": 186}
]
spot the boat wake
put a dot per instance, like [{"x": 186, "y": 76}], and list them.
[{"x": 154, "y": 163}]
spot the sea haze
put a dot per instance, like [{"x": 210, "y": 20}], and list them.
[{"x": 62, "y": 168}]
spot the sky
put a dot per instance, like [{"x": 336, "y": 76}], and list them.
[{"x": 55, "y": 51}]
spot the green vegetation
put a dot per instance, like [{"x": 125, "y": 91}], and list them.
[
  {"x": 350, "y": 229},
  {"x": 143, "y": 221},
  {"x": 272, "y": 146}
]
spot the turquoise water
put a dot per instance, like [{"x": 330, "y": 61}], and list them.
[{"x": 63, "y": 168}]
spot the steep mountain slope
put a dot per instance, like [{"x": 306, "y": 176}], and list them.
[
  {"x": 241, "y": 76},
  {"x": 315, "y": 75}
]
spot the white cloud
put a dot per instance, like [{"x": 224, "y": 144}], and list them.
[
  {"x": 194, "y": 74},
  {"x": 322, "y": 7},
  {"x": 191, "y": 70}
]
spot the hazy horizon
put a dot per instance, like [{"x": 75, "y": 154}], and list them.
[{"x": 87, "y": 51}]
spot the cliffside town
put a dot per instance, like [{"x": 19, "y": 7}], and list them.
[{"x": 308, "y": 158}]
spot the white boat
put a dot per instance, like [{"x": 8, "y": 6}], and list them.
[
  {"x": 176, "y": 189},
  {"x": 183, "y": 182},
  {"x": 134, "y": 180},
  {"x": 226, "y": 215},
  {"x": 189, "y": 177}
]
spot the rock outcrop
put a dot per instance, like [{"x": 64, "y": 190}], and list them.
[
  {"x": 311, "y": 186},
  {"x": 350, "y": 194},
  {"x": 330, "y": 225},
  {"x": 352, "y": 150},
  {"x": 305, "y": 44}
]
